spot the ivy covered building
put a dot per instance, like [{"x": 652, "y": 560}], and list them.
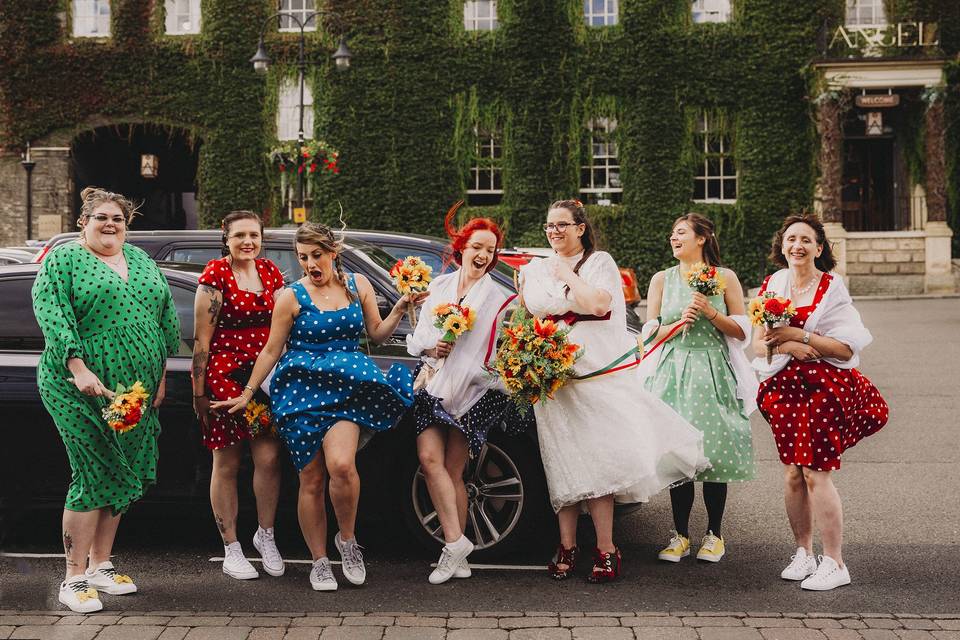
[{"x": 745, "y": 110}]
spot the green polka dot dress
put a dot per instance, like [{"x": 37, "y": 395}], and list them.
[
  {"x": 695, "y": 378},
  {"x": 124, "y": 332}
]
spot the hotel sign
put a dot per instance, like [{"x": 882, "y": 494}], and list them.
[
  {"x": 878, "y": 100},
  {"x": 899, "y": 35}
]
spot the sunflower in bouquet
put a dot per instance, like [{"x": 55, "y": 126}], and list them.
[
  {"x": 126, "y": 408},
  {"x": 535, "y": 358},
  {"x": 258, "y": 417}
]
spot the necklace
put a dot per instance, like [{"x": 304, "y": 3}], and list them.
[
  {"x": 799, "y": 291},
  {"x": 103, "y": 257}
]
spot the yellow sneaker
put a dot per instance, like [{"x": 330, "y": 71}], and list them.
[
  {"x": 679, "y": 547},
  {"x": 711, "y": 548}
]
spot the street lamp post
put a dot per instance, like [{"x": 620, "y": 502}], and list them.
[
  {"x": 28, "y": 165},
  {"x": 261, "y": 63}
]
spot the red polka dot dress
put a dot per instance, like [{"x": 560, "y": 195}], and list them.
[
  {"x": 816, "y": 410},
  {"x": 241, "y": 333}
]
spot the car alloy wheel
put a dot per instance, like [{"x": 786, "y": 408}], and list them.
[{"x": 495, "y": 499}]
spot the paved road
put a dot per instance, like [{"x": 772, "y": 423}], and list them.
[{"x": 900, "y": 491}]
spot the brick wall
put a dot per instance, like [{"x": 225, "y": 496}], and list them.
[
  {"x": 52, "y": 197},
  {"x": 886, "y": 263}
]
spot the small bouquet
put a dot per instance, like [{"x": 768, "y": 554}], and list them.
[
  {"x": 411, "y": 275},
  {"x": 258, "y": 418},
  {"x": 704, "y": 279},
  {"x": 534, "y": 359},
  {"x": 771, "y": 310},
  {"x": 126, "y": 409},
  {"x": 454, "y": 320}
]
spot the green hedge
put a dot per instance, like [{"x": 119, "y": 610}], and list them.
[{"x": 404, "y": 114}]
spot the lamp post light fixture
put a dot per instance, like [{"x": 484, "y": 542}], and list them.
[
  {"x": 261, "y": 64},
  {"x": 28, "y": 164}
]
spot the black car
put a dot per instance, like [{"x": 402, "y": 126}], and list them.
[{"x": 506, "y": 486}]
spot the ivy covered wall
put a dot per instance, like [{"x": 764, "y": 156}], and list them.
[{"x": 403, "y": 115}]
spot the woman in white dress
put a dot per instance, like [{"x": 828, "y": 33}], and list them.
[{"x": 605, "y": 438}]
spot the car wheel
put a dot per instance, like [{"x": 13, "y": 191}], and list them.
[{"x": 507, "y": 505}]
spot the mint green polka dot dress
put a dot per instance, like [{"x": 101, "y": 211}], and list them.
[
  {"x": 124, "y": 332},
  {"x": 695, "y": 378}
]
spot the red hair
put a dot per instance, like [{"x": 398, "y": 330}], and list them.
[{"x": 460, "y": 237}]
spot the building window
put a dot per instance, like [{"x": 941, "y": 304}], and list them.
[
  {"x": 711, "y": 11},
  {"x": 486, "y": 174},
  {"x": 716, "y": 179},
  {"x": 91, "y": 18},
  {"x": 301, "y": 10},
  {"x": 480, "y": 15},
  {"x": 600, "y": 13},
  {"x": 183, "y": 17},
  {"x": 600, "y": 176},
  {"x": 288, "y": 110},
  {"x": 866, "y": 13}
]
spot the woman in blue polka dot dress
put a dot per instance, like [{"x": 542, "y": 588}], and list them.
[{"x": 325, "y": 391}]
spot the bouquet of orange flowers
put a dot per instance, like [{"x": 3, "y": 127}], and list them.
[
  {"x": 126, "y": 409},
  {"x": 258, "y": 418},
  {"x": 534, "y": 359},
  {"x": 771, "y": 310},
  {"x": 411, "y": 275},
  {"x": 705, "y": 279},
  {"x": 453, "y": 319}
]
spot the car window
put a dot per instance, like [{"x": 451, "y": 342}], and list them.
[
  {"x": 436, "y": 262},
  {"x": 286, "y": 261},
  {"x": 183, "y": 298},
  {"x": 193, "y": 255},
  {"x": 19, "y": 330}
]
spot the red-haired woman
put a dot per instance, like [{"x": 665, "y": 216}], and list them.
[
  {"x": 457, "y": 406},
  {"x": 817, "y": 403}
]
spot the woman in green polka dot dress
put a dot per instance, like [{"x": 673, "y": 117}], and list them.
[
  {"x": 705, "y": 376},
  {"x": 107, "y": 318}
]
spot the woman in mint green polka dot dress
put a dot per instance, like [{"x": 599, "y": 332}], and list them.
[{"x": 698, "y": 375}]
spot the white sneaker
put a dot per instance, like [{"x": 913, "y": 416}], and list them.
[
  {"x": 463, "y": 570},
  {"x": 321, "y": 576},
  {"x": 802, "y": 564},
  {"x": 829, "y": 575},
  {"x": 451, "y": 556},
  {"x": 351, "y": 559},
  {"x": 105, "y": 578},
  {"x": 264, "y": 543},
  {"x": 79, "y": 596},
  {"x": 236, "y": 565}
]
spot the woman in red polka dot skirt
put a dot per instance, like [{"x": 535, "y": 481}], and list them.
[
  {"x": 233, "y": 310},
  {"x": 817, "y": 403}
]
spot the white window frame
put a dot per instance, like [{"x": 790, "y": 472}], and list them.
[
  {"x": 473, "y": 21},
  {"x": 604, "y": 157},
  {"x": 608, "y": 16},
  {"x": 716, "y": 11},
  {"x": 288, "y": 109},
  {"x": 865, "y": 13},
  {"x": 490, "y": 148},
  {"x": 180, "y": 23},
  {"x": 702, "y": 139},
  {"x": 87, "y": 14},
  {"x": 301, "y": 9}
]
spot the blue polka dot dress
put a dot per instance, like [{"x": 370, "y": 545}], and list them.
[{"x": 324, "y": 377}]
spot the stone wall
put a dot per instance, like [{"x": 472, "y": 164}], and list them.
[
  {"x": 52, "y": 196},
  {"x": 886, "y": 263}
]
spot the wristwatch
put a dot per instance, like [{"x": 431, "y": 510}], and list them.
[{"x": 806, "y": 337}]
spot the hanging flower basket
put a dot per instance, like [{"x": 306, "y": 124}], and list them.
[{"x": 316, "y": 157}]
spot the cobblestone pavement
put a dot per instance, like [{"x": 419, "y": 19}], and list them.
[{"x": 477, "y": 625}]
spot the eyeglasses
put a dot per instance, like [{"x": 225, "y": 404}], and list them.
[
  {"x": 559, "y": 227},
  {"x": 102, "y": 218}
]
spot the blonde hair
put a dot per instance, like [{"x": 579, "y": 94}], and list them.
[
  {"x": 322, "y": 236},
  {"x": 93, "y": 197}
]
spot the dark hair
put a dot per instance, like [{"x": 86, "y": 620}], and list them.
[
  {"x": 826, "y": 262},
  {"x": 322, "y": 236},
  {"x": 589, "y": 237},
  {"x": 229, "y": 219},
  {"x": 704, "y": 228},
  {"x": 460, "y": 237}
]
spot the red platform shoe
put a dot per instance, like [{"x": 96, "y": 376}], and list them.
[
  {"x": 563, "y": 556},
  {"x": 606, "y": 566}
]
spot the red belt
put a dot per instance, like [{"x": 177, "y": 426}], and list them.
[{"x": 572, "y": 318}]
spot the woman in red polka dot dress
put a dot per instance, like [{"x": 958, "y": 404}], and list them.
[
  {"x": 233, "y": 311},
  {"x": 817, "y": 403}
]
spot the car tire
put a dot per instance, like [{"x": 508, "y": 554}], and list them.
[{"x": 507, "y": 501}]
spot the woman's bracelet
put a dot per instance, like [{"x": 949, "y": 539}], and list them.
[
  {"x": 716, "y": 312},
  {"x": 252, "y": 390}
]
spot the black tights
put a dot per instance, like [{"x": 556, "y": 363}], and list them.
[{"x": 714, "y": 498}]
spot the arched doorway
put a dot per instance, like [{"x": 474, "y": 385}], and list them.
[{"x": 117, "y": 158}]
